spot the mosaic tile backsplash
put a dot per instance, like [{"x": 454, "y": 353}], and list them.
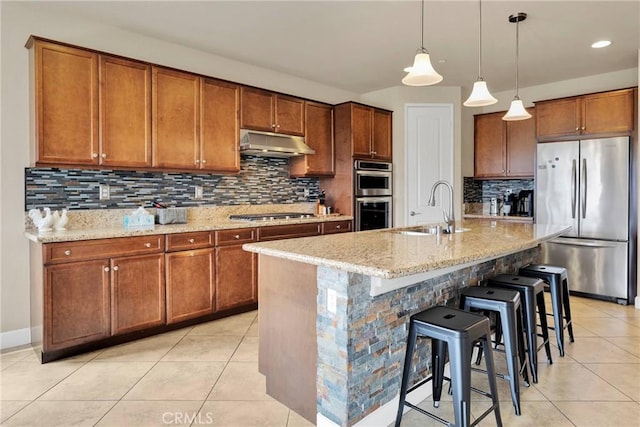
[
  {"x": 262, "y": 180},
  {"x": 480, "y": 191}
]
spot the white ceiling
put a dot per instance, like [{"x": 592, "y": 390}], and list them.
[{"x": 362, "y": 46}]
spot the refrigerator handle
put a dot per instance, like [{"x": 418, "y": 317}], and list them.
[
  {"x": 584, "y": 188},
  {"x": 574, "y": 179}
]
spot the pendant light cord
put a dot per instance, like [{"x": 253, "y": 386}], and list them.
[
  {"x": 517, "y": 53},
  {"x": 422, "y": 25},
  {"x": 480, "y": 45}
]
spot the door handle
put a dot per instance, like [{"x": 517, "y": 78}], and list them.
[
  {"x": 414, "y": 213},
  {"x": 584, "y": 188},
  {"x": 583, "y": 244},
  {"x": 574, "y": 179}
]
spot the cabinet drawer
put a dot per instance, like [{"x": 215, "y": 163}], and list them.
[
  {"x": 236, "y": 236},
  {"x": 336, "y": 227},
  {"x": 103, "y": 248},
  {"x": 186, "y": 241},
  {"x": 289, "y": 231}
]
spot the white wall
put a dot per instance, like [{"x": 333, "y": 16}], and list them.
[
  {"x": 18, "y": 22},
  {"x": 395, "y": 98},
  {"x": 595, "y": 83}
]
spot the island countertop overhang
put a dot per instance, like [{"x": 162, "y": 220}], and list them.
[{"x": 387, "y": 254}]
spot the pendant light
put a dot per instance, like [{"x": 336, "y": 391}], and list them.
[
  {"x": 517, "y": 110},
  {"x": 422, "y": 72},
  {"x": 480, "y": 95}
]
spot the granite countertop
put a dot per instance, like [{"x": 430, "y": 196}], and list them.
[
  {"x": 106, "y": 224},
  {"x": 499, "y": 217},
  {"x": 388, "y": 254}
]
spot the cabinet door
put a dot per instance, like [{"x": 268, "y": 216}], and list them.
[
  {"x": 608, "y": 112},
  {"x": 176, "y": 118},
  {"x": 361, "y": 129},
  {"x": 521, "y": 146},
  {"x": 319, "y": 136},
  {"x": 125, "y": 113},
  {"x": 76, "y": 303},
  {"x": 289, "y": 115},
  {"x": 138, "y": 293},
  {"x": 219, "y": 148},
  {"x": 489, "y": 139},
  {"x": 382, "y": 135},
  {"x": 236, "y": 278},
  {"x": 558, "y": 118},
  {"x": 66, "y": 82},
  {"x": 190, "y": 284},
  {"x": 257, "y": 109}
]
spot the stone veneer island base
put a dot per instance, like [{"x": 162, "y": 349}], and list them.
[{"x": 334, "y": 310}]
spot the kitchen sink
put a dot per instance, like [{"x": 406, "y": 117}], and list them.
[{"x": 423, "y": 230}]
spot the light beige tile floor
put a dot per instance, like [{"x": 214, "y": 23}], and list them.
[{"x": 208, "y": 375}]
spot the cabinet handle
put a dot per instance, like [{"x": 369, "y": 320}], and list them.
[
  {"x": 106, "y": 269},
  {"x": 104, "y": 155},
  {"x": 147, "y": 245},
  {"x": 204, "y": 161},
  {"x": 577, "y": 129},
  {"x": 191, "y": 240},
  {"x": 94, "y": 155},
  {"x": 237, "y": 236},
  {"x": 67, "y": 252},
  {"x": 197, "y": 161},
  {"x": 116, "y": 268},
  {"x": 338, "y": 227},
  {"x": 273, "y": 125},
  {"x": 584, "y": 128}
]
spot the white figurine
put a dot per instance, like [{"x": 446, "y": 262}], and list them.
[
  {"x": 61, "y": 220},
  {"x": 42, "y": 223}
]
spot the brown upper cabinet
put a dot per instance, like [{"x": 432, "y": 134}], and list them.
[
  {"x": 504, "y": 149},
  {"x": 125, "y": 113},
  {"x": 66, "y": 104},
  {"x": 368, "y": 129},
  {"x": 606, "y": 113},
  {"x": 195, "y": 122},
  {"x": 319, "y": 136},
  {"x": 271, "y": 112}
]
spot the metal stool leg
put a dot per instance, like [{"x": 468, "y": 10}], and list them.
[
  {"x": 438, "y": 358},
  {"x": 558, "y": 319},
  {"x": 542, "y": 311},
  {"x": 567, "y": 308},
  {"x": 406, "y": 373}
]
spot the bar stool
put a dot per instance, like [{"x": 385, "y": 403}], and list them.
[
  {"x": 556, "y": 279},
  {"x": 532, "y": 295},
  {"x": 455, "y": 330},
  {"x": 506, "y": 304}
]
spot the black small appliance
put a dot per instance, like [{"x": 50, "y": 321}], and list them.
[{"x": 525, "y": 203}]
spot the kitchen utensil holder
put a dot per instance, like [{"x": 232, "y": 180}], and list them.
[{"x": 171, "y": 216}]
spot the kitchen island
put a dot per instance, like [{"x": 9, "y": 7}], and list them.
[{"x": 334, "y": 310}]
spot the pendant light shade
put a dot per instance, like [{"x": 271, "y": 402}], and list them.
[
  {"x": 422, "y": 72},
  {"x": 480, "y": 95},
  {"x": 517, "y": 110}
]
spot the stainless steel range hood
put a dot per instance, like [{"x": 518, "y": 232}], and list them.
[{"x": 272, "y": 145}]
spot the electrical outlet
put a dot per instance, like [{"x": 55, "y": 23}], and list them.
[
  {"x": 104, "y": 192},
  {"x": 332, "y": 301},
  {"x": 199, "y": 193},
  {"x": 306, "y": 193}
]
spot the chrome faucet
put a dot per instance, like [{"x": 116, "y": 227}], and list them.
[{"x": 448, "y": 217}]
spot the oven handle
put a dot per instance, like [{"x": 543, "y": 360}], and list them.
[
  {"x": 373, "y": 173},
  {"x": 374, "y": 199}
]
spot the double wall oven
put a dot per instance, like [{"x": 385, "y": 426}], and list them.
[{"x": 373, "y": 184}]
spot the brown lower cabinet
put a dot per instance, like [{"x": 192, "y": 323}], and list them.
[{"x": 96, "y": 293}]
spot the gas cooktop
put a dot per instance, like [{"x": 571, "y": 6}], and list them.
[{"x": 271, "y": 216}]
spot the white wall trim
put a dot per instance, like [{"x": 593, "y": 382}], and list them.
[{"x": 15, "y": 338}]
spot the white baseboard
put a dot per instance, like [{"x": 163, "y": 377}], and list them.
[
  {"x": 638, "y": 302},
  {"x": 15, "y": 338}
]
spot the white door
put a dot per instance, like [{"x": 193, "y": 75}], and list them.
[{"x": 429, "y": 131}]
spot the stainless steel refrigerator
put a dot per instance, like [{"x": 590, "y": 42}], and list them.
[{"x": 586, "y": 184}]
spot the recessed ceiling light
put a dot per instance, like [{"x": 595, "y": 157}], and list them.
[{"x": 601, "y": 43}]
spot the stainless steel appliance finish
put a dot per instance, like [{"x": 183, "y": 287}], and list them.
[
  {"x": 270, "y": 216},
  {"x": 372, "y": 213},
  {"x": 586, "y": 184},
  {"x": 272, "y": 144},
  {"x": 373, "y": 178},
  {"x": 373, "y": 187}
]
